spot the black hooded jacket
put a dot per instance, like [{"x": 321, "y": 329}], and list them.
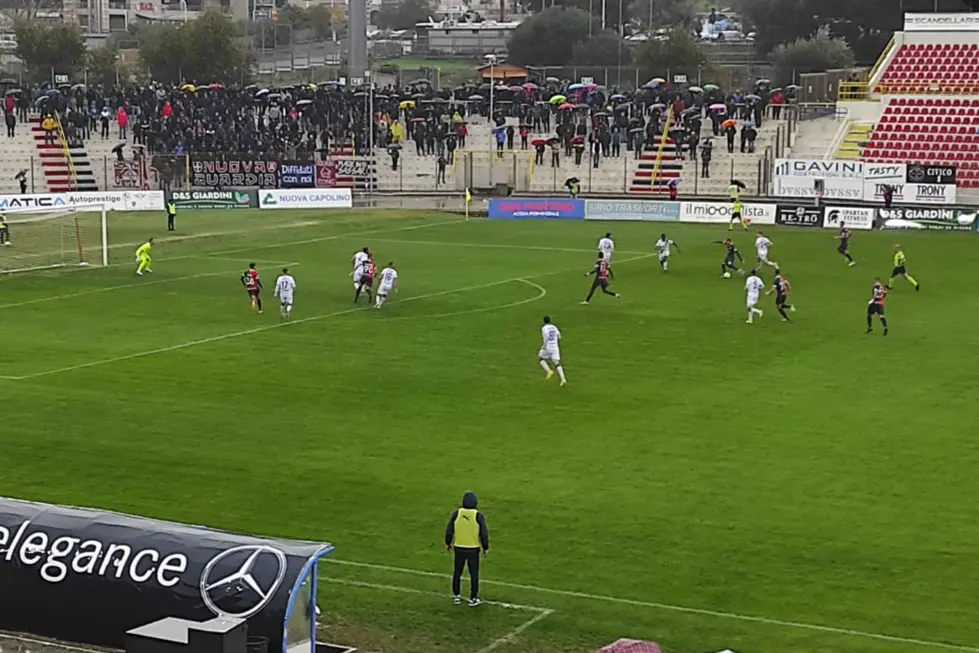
[{"x": 469, "y": 502}]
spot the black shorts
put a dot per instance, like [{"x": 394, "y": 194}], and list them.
[
  {"x": 735, "y": 215},
  {"x": 875, "y": 309},
  {"x": 781, "y": 300},
  {"x": 602, "y": 283},
  {"x": 367, "y": 282},
  {"x": 729, "y": 262},
  {"x": 844, "y": 246},
  {"x": 254, "y": 292},
  {"x": 898, "y": 270}
]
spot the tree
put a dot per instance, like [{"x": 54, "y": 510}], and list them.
[
  {"x": 666, "y": 13},
  {"x": 406, "y": 15},
  {"x": 678, "y": 53},
  {"x": 202, "y": 51},
  {"x": 549, "y": 38},
  {"x": 103, "y": 67},
  {"x": 30, "y": 9},
  {"x": 321, "y": 20},
  {"x": 49, "y": 49},
  {"x": 819, "y": 52},
  {"x": 602, "y": 49}
]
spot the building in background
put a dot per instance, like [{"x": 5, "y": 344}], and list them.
[{"x": 463, "y": 38}]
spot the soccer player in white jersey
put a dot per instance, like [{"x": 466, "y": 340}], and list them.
[
  {"x": 285, "y": 289},
  {"x": 762, "y": 244},
  {"x": 606, "y": 247},
  {"x": 358, "y": 260},
  {"x": 753, "y": 286},
  {"x": 389, "y": 282},
  {"x": 550, "y": 350},
  {"x": 663, "y": 246}
]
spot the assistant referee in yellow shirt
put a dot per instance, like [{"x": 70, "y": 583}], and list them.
[{"x": 466, "y": 533}]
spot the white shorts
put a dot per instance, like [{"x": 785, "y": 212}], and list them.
[
  {"x": 384, "y": 290},
  {"x": 549, "y": 354},
  {"x": 763, "y": 255},
  {"x": 607, "y": 256},
  {"x": 358, "y": 273},
  {"x": 751, "y": 303},
  {"x": 663, "y": 256},
  {"x": 285, "y": 298}
]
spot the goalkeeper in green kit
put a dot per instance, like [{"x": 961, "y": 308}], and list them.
[{"x": 4, "y": 231}]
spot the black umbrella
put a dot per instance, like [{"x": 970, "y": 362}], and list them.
[
  {"x": 600, "y": 114},
  {"x": 440, "y": 100},
  {"x": 739, "y": 184},
  {"x": 582, "y": 106},
  {"x": 419, "y": 96}
]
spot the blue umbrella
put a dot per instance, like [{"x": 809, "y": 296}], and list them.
[
  {"x": 651, "y": 84},
  {"x": 575, "y": 87}
]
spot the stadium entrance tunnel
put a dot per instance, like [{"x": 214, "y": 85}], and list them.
[{"x": 88, "y": 576}]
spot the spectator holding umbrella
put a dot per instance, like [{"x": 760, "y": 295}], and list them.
[{"x": 730, "y": 128}]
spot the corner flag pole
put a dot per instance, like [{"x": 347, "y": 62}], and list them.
[{"x": 469, "y": 198}]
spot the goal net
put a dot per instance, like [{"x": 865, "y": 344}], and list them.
[{"x": 34, "y": 240}]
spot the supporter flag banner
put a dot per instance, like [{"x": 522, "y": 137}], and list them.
[
  {"x": 216, "y": 170},
  {"x": 851, "y": 216},
  {"x": 964, "y": 22},
  {"x": 653, "y": 210},
  {"x": 125, "y": 174},
  {"x": 805, "y": 187},
  {"x": 930, "y": 174},
  {"x": 819, "y": 169},
  {"x": 355, "y": 173},
  {"x": 297, "y": 174},
  {"x": 932, "y": 219},
  {"x": 334, "y": 198},
  {"x": 133, "y": 200},
  {"x": 326, "y": 174},
  {"x": 215, "y": 199},
  {"x": 720, "y": 212},
  {"x": 555, "y": 209},
  {"x": 799, "y": 216},
  {"x": 88, "y": 576}
]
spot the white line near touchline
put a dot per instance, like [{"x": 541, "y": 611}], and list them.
[
  {"x": 670, "y": 608},
  {"x": 136, "y": 284},
  {"x": 279, "y": 325},
  {"x": 539, "y": 248},
  {"x": 500, "y": 641}
]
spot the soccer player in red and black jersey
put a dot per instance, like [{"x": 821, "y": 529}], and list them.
[
  {"x": 602, "y": 272},
  {"x": 876, "y": 306},
  {"x": 781, "y": 287},
  {"x": 253, "y": 285},
  {"x": 844, "y": 247},
  {"x": 368, "y": 271},
  {"x": 729, "y": 256}
]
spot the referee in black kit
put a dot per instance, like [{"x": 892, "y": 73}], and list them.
[{"x": 466, "y": 533}]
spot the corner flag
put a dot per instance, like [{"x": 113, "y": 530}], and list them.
[{"x": 469, "y": 198}]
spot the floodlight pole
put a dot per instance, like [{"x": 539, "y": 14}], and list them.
[{"x": 492, "y": 60}]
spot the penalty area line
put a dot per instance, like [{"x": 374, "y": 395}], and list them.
[{"x": 799, "y": 625}]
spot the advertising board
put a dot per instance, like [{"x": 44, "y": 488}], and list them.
[
  {"x": 930, "y": 174},
  {"x": 216, "y": 170},
  {"x": 819, "y": 169},
  {"x": 932, "y": 219},
  {"x": 215, "y": 199},
  {"x": 720, "y": 212},
  {"x": 852, "y": 217},
  {"x": 805, "y": 187},
  {"x": 938, "y": 22},
  {"x": 525, "y": 208},
  {"x": 123, "y": 200},
  {"x": 296, "y": 174},
  {"x": 797, "y": 215},
  {"x": 333, "y": 198},
  {"x": 653, "y": 210}
]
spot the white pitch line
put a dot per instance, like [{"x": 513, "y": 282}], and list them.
[
  {"x": 539, "y": 248},
  {"x": 321, "y": 239},
  {"x": 674, "y": 608},
  {"x": 541, "y": 294},
  {"x": 269, "y": 327},
  {"x": 495, "y": 644},
  {"x": 137, "y": 284},
  {"x": 412, "y": 590}
]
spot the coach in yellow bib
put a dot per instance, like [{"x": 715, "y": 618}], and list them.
[{"x": 466, "y": 534}]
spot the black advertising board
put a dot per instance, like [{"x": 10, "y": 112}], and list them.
[
  {"x": 221, "y": 171},
  {"x": 932, "y": 219},
  {"x": 797, "y": 215},
  {"x": 930, "y": 174},
  {"x": 88, "y": 576},
  {"x": 297, "y": 174}
]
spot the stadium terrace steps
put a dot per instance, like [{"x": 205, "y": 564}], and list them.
[
  {"x": 814, "y": 138},
  {"x": 54, "y": 163},
  {"x": 16, "y": 154},
  {"x": 857, "y": 136}
]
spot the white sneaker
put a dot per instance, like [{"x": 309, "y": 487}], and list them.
[
  {"x": 761, "y": 313},
  {"x": 139, "y": 274},
  {"x": 457, "y": 600},
  {"x": 584, "y": 303},
  {"x": 149, "y": 270},
  {"x": 792, "y": 309},
  {"x": 851, "y": 264},
  {"x": 474, "y": 602},
  {"x": 748, "y": 322}
]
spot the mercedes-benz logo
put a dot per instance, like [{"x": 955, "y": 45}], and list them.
[
  {"x": 916, "y": 173},
  {"x": 250, "y": 594}
]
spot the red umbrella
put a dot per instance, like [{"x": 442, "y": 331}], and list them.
[
  {"x": 565, "y": 107},
  {"x": 530, "y": 86},
  {"x": 538, "y": 141},
  {"x": 215, "y": 86}
]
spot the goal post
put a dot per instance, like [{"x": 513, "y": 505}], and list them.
[{"x": 41, "y": 239}]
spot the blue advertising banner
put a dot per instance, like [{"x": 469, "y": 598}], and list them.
[
  {"x": 632, "y": 210},
  {"x": 531, "y": 209},
  {"x": 297, "y": 174}
]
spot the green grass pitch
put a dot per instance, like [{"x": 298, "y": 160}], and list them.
[{"x": 707, "y": 484}]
